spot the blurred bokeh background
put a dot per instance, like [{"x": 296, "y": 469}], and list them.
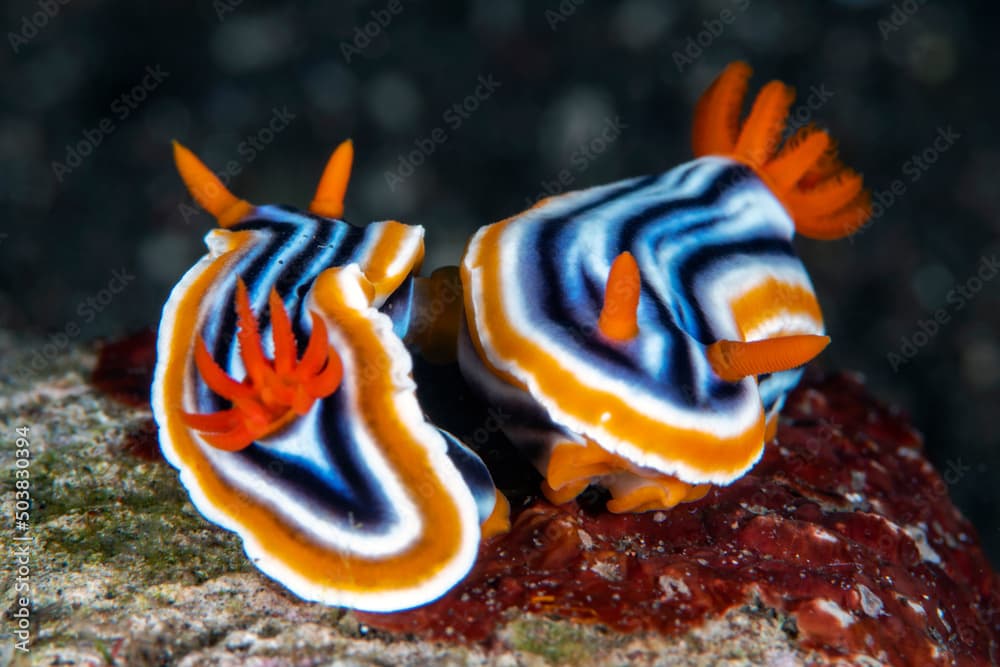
[{"x": 466, "y": 111}]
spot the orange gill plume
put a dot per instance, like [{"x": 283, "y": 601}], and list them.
[
  {"x": 825, "y": 199},
  {"x": 274, "y": 391}
]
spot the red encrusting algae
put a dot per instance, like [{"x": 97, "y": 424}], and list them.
[
  {"x": 124, "y": 367},
  {"x": 843, "y": 525}
]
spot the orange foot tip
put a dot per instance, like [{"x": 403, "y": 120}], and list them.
[
  {"x": 824, "y": 198},
  {"x": 661, "y": 493},
  {"x": 563, "y": 494},
  {"x": 498, "y": 522},
  {"x": 274, "y": 391}
]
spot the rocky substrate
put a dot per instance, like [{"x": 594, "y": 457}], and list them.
[{"x": 840, "y": 548}]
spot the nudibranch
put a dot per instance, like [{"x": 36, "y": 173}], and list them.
[
  {"x": 643, "y": 335},
  {"x": 283, "y": 394}
]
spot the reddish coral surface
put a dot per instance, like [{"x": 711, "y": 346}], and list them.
[
  {"x": 125, "y": 367},
  {"x": 843, "y": 525}
]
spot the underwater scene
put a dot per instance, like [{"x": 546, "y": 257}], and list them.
[{"x": 401, "y": 332}]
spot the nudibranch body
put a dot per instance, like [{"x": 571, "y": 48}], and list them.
[
  {"x": 644, "y": 334},
  {"x": 283, "y": 395}
]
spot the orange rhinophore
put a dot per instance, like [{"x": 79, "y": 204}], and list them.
[
  {"x": 733, "y": 360},
  {"x": 329, "y": 199},
  {"x": 208, "y": 190},
  {"x": 619, "y": 316}
]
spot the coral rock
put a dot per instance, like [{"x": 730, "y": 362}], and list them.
[
  {"x": 843, "y": 527},
  {"x": 841, "y": 547}
]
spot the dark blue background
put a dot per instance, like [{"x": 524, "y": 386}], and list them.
[{"x": 885, "y": 79}]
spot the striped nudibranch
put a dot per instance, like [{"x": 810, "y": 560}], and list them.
[
  {"x": 283, "y": 394},
  {"x": 644, "y": 334}
]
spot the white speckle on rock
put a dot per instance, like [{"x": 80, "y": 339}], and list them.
[
  {"x": 607, "y": 570},
  {"x": 915, "y": 606},
  {"x": 759, "y": 510},
  {"x": 674, "y": 587},
  {"x": 891, "y": 525},
  {"x": 585, "y": 539},
  {"x": 918, "y": 534},
  {"x": 660, "y": 517},
  {"x": 908, "y": 453},
  {"x": 240, "y": 639},
  {"x": 823, "y": 535},
  {"x": 784, "y": 660},
  {"x": 948, "y": 538},
  {"x": 834, "y": 610},
  {"x": 871, "y": 603}
]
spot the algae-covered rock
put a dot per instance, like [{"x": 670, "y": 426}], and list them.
[{"x": 121, "y": 570}]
